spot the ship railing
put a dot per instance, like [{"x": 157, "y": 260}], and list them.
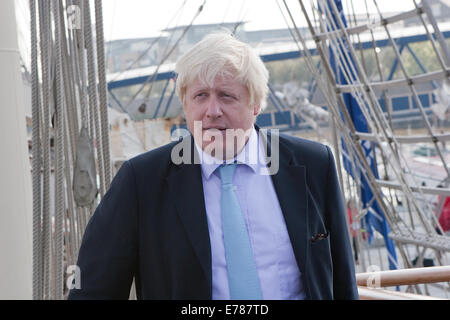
[{"x": 370, "y": 283}]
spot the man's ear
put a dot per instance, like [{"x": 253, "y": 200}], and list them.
[{"x": 256, "y": 109}]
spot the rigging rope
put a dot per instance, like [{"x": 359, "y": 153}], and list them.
[
  {"x": 92, "y": 89},
  {"x": 363, "y": 91},
  {"x": 36, "y": 148},
  {"x": 167, "y": 55},
  {"x": 59, "y": 158},
  {"x": 60, "y": 110},
  {"x": 129, "y": 67},
  {"x": 45, "y": 35},
  {"x": 102, "y": 93}
]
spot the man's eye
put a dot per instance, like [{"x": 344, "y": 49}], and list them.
[{"x": 200, "y": 95}]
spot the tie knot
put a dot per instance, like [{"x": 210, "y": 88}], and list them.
[{"x": 226, "y": 172}]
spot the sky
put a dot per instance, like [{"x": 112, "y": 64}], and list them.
[
  {"x": 145, "y": 18},
  {"x": 124, "y": 19}
]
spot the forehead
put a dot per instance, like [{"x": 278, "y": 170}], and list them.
[{"x": 219, "y": 82}]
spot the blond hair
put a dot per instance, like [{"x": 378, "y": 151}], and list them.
[{"x": 221, "y": 54}]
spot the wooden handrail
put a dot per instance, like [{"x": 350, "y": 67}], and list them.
[
  {"x": 404, "y": 277},
  {"x": 381, "y": 294}
]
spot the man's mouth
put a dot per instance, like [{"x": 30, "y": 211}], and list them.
[{"x": 217, "y": 128}]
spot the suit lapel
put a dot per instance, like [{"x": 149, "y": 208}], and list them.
[
  {"x": 186, "y": 186},
  {"x": 290, "y": 187}
]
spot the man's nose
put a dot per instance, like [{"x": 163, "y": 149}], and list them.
[{"x": 214, "y": 109}]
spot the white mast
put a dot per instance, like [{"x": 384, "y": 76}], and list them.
[{"x": 15, "y": 176}]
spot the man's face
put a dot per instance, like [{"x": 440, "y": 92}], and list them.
[{"x": 223, "y": 106}]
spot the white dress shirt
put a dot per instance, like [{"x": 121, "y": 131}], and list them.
[{"x": 277, "y": 268}]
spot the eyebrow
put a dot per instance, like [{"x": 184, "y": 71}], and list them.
[{"x": 225, "y": 88}]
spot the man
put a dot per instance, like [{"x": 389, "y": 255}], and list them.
[{"x": 224, "y": 227}]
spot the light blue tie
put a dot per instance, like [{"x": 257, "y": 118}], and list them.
[{"x": 242, "y": 274}]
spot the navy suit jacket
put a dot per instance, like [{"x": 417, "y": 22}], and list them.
[{"x": 151, "y": 225}]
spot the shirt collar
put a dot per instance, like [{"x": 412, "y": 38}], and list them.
[{"x": 248, "y": 156}]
